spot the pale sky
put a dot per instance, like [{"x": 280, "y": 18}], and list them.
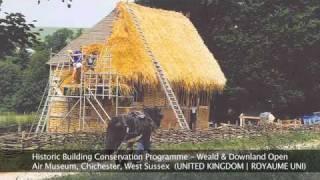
[{"x": 54, "y": 13}]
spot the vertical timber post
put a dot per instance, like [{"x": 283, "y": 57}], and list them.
[
  {"x": 241, "y": 119},
  {"x": 83, "y": 111},
  {"x": 81, "y": 93},
  {"x": 117, "y": 94}
]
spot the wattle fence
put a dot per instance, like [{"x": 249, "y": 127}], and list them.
[{"x": 22, "y": 141}]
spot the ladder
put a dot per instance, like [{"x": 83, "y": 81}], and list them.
[
  {"x": 161, "y": 76},
  {"x": 51, "y": 90},
  {"x": 55, "y": 79},
  {"x": 40, "y": 108},
  {"x": 44, "y": 115}
]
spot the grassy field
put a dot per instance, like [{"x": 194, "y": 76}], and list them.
[
  {"x": 276, "y": 141},
  {"x": 9, "y": 119}
]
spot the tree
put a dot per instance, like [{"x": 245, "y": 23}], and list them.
[
  {"x": 24, "y": 75},
  {"x": 78, "y": 33},
  {"x": 9, "y": 83},
  {"x": 267, "y": 48},
  {"x": 15, "y": 34},
  {"x": 59, "y": 39},
  {"x": 35, "y": 78},
  {"x": 269, "y": 51}
]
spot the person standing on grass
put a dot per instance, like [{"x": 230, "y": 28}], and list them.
[{"x": 193, "y": 118}]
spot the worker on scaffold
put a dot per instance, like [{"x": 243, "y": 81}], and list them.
[
  {"x": 91, "y": 60},
  {"x": 76, "y": 58}
]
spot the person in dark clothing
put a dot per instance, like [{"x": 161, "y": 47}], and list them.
[
  {"x": 193, "y": 118},
  {"x": 136, "y": 124},
  {"x": 91, "y": 60}
]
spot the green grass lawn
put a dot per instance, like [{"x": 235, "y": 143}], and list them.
[
  {"x": 275, "y": 141},
  {"x": 263, "y": 142},
  {"x": 9, "y": 119}
]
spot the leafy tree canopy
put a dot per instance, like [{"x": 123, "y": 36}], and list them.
[
  {"x": 23, "y": 68},
  {"x": 268, "y": 50},
  {"x": 59, "y": 39},
  {"x": 15, "y": 34}
]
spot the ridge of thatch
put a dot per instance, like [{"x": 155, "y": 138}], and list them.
[{"x": 173, "y": 40}]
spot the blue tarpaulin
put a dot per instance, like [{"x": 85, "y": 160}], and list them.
[{"x": 311, "y": 119}]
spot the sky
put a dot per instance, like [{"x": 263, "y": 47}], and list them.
[{"x": 54, "y": 13}]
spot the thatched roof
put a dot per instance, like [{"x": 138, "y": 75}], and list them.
[{"x": 173, "y": 40}]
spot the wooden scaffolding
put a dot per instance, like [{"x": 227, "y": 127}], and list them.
[{"x": 92, "y": 89}]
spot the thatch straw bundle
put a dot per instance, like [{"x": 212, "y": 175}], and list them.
[{"x": 92, "y": 48}]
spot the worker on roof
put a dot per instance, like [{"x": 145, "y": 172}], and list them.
[
  {"x": 91, "y": 60},
  {"x": 76, "y": 58}
]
